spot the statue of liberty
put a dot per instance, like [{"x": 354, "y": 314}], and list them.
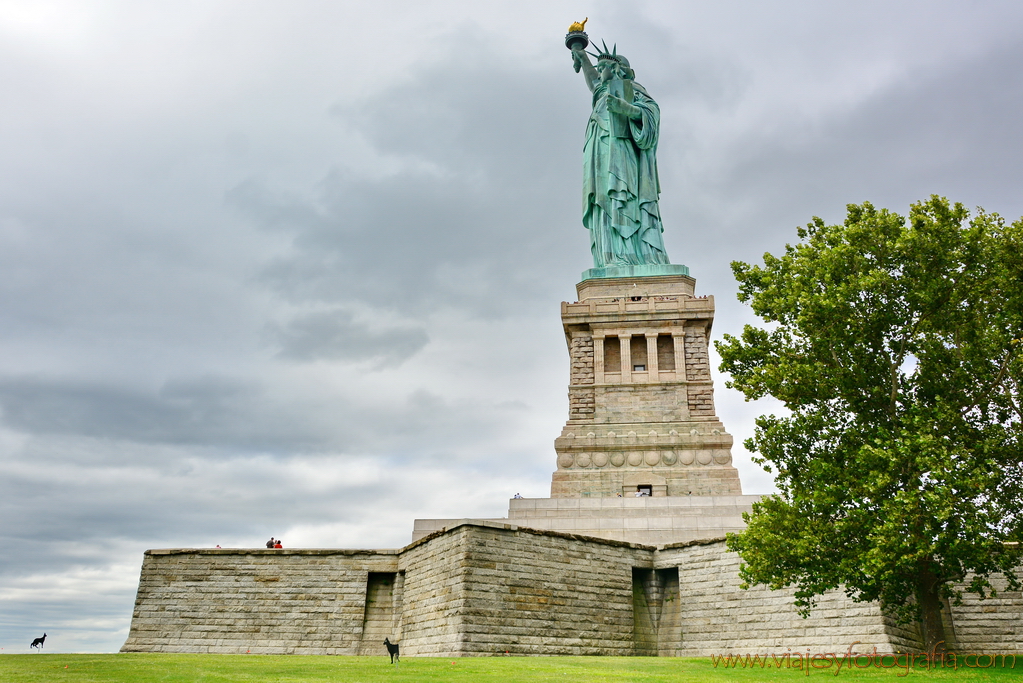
[{"x": 620, "y": 185}]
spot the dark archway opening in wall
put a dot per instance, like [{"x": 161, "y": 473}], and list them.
[
  {"x": 382, "y": 615},
  {"x": 656, "y": 612}
]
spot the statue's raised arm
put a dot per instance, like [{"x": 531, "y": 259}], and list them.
[
  {"x": 576, "y": 40},
  {"x": 620, "y": 183},
  {"x": 581, "y": 62}
]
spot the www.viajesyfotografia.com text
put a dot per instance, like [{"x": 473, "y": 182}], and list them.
[{"x": 835, "y": 662}]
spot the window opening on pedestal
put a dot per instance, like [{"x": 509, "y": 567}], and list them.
[
  {"x": 639, "y": 368},
  {"x": 645, "y": 490},
  {"x": 665, "y": 352},
  {"x": 637, "y": 348},
  {"x": 612, "y": 354}
]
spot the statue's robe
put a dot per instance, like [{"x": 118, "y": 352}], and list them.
[{"x": 620, "y": 185}]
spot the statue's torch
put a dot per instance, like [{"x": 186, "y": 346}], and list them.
[{"x": 576, "y": 38}]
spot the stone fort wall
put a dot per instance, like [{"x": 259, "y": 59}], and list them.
[
  {"x": 485, "y": 588},
  {"x": 258, "y": 601},
  {"x": 718, "y": 616}
]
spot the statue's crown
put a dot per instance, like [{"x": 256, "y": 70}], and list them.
[{"x": 611, "y": 55}]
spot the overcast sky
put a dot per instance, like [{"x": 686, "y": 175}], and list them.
[{"x": 294, "y": 268}]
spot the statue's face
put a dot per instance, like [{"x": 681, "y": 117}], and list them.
[{"x": 607, "y": 69}]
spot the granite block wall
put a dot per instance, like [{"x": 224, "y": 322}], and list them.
[
  {"x": 551, "y": 594},
  {"x": 718, "y": 617},
  {"x": 253, "y": 600},
  {"x": 434, "y": 594},
  {"x": 484, "y": 588},
  {"x": 994, "y": 624}
]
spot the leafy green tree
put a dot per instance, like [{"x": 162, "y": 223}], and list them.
[{"x": 895, "y": 346}]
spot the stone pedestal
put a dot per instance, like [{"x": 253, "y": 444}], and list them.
[
  {"x": 641, "y": 399},
  {"x": 641, "y": 420},
  {"x": 655, "y": 521}
]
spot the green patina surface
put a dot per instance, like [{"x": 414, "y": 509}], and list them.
[
  {"x": 635, "y": 271},
  {"x": 620, "y": 183}
]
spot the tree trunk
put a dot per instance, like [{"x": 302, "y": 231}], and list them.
[{"x": 928, "y": 596}]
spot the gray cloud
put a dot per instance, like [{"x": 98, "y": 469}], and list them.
[
  {"x": 225, "y": 418},
  {"x": 951, "y": 131},
  {"x": 478, "y": 154},
  {"x": 334, "y": 335},
  {"x": 204, "y": 410}
]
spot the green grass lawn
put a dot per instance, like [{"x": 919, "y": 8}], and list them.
[{"x": 150, "y": 668}]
